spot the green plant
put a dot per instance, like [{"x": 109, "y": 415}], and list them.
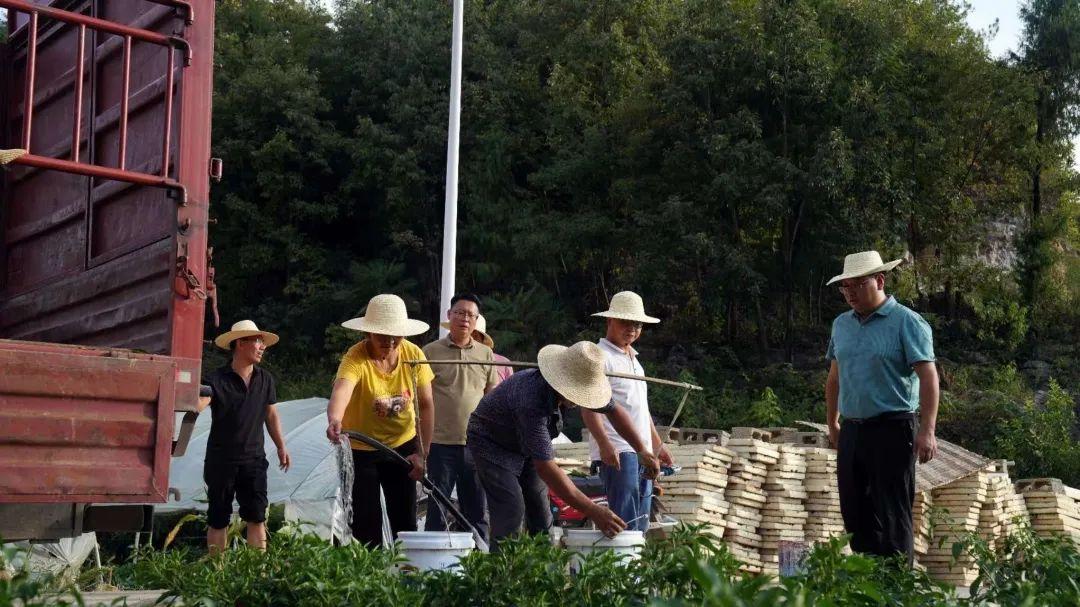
[
  {"x": 1040, "y": 440},
  {"x": 765, "y": 410},
  {"x": 1025, "y": 569}
]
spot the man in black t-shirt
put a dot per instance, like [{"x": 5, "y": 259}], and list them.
[{"x": 241, "y": 403}]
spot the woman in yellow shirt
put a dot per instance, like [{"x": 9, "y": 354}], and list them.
[{"x": 373, "y": 394}]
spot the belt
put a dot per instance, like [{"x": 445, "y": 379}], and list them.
[{"x": 884, "y": 417}]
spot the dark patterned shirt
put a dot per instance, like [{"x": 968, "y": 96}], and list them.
[{"x": 516, "y": 422}]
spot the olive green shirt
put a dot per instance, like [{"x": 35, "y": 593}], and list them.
[{"x": 457, "y": 389}]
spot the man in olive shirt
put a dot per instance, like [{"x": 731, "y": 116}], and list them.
[{"x": 457, "y": 389}]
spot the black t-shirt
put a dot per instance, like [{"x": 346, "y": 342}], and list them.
[{"x": 238, "y": 414}]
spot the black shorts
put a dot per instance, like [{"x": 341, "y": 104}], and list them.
[{"x": 245, "y": 480}]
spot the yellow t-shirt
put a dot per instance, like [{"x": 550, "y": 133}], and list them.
[{"x": 383, "y": 405}]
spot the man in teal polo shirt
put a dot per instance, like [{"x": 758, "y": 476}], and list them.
[{"x": 882, "y": 370}]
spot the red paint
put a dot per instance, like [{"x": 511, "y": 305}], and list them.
[{"x": 101, "y": 322}]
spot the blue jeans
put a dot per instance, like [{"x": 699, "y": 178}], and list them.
[
  {"x": 629, "y": 494},
  {"x": 450, "y": 465}
]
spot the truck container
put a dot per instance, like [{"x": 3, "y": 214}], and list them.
[{"x": 104, "y": 267}]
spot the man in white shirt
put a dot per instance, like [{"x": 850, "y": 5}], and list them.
[{"x": 629, "y": 493}]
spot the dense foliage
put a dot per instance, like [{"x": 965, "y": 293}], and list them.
[
  {"x": 719, "y": 157},
  {"x": 688, "y": 569}
]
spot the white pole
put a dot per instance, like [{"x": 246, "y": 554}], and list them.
[{"x": 449, "y": 254}]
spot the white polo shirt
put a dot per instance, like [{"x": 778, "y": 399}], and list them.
[{"x": 630, "y": 394}]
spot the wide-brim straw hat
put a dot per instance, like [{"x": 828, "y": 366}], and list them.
[
  {"x": 244, "y": 328},
  {"x": 386, "y": 315},
  {"x": 627, "y": 305},
  {"x": 862, "y": 264},
  {"x": 479, "y": 332},
  {"x": 7, "y": 156},
  {"x": 577, "y": 373}
]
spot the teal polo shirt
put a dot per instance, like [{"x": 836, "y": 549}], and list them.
[{"x": 876, "y": 355}]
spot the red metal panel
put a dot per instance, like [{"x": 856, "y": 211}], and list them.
[
  {"x": 95, "y": 255},
  {"x": 78, "y": 424},
  {"x": 193, "y": 171},
  {"x": 107, "y": 305}
]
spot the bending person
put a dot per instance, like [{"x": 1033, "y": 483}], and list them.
[{"x": 510, "y": 435}]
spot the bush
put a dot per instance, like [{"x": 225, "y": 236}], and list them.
[
  {"x": 690, "y": 568},
  {"x": 1040, "y": 440}
]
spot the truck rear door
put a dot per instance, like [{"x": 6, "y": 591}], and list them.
[{"x": 103, "y": 253}]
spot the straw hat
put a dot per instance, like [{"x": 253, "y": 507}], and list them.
[
  {"x": 577, "y": 373},
  {"x": 479, "y": 332},
  {"x": 862, "y": 264},
  {"x": 627, "y": 305},
  {"x": 386, "y": 315},
  {"x": 244, "y": 328},
  {"x": 7, "y": 156}
]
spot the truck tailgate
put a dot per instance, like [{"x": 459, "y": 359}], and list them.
[{"x": 80, "y": 424}]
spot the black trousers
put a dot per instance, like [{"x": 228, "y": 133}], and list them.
[
  {"x": 450, "y": 466},
  {"x": 875, "y": 472},
  {"x": 514, "y": 497},
  {"x": 373, "y": 470}
]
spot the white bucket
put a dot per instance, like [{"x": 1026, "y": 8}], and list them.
[
  {"x": 428, "y": 550},
  {"x": 585, "y": 541}
]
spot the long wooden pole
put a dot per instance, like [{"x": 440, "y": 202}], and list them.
[{"x": 512, "y": 363}]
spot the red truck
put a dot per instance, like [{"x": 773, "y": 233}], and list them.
[{"x": 104, "y": 265}]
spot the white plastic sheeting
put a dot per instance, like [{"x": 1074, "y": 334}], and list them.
[
  {"x": 309, "y": 490},
  {"x": 61, "y": 558}
]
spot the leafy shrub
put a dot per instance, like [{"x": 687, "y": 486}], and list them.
[
  {"x": 1039, "y": 439},
  {"x": 765, "y": 410},
  {"x": 1025, "y": 569},
  {"x": 690, "y": 568}
]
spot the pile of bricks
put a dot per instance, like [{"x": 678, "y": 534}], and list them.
[
  {"x": 573, "y": 458},
  {"x": 1052, "y": 507},
  {"x": 959, "y": 505},
  {"x": 746, "y": 498},
  {"x": 695, "y": 494},
  {"x": 784, "y": 517},
  {"x": 824, "y": 521},
  {"x": 761, "y": 487}
]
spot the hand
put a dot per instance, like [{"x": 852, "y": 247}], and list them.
[
  {"x": 333, "y": 431},
  {"x": 650, "y": 463},
  {"x": 925, "y": 444},
  {"x": 664, "y": 455},
  {"x": 418, "y": 466},
  {"x": 608, "y": 455},
  {"x": 283, "y": 459},
  {"x": 834, "y": 435},
  {"x": 607, "y": 521}
]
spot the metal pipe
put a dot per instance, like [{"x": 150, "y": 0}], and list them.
[
  {"x": 91, "y": 170},
  {"x": 512, "y": 363},
  {"x": 31, "y": 69},
  {"x": 168, "y": 115},
  {"x": 449, "y": 248},
  {"x": 124, "y": 103},
  {"x": 91, "y": 22},
  {"x": 76, "y": 130}
]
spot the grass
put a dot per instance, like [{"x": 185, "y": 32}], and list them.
[{"x": 687, "y": 569}]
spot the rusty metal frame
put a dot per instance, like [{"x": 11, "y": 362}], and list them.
[
  {"x": 129, "y": 34},
  {"x": 191, "y": 89}
]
